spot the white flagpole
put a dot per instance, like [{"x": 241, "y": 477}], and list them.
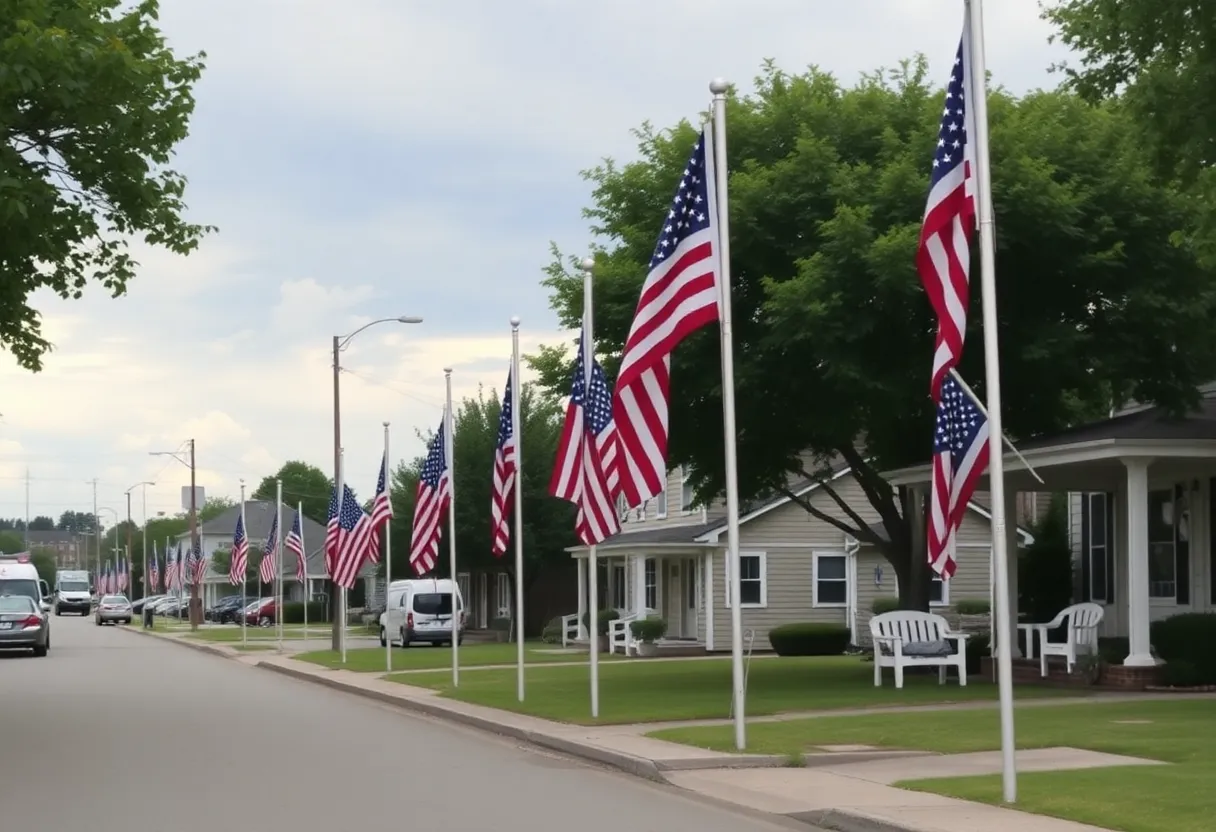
[
  {"x": 341, "y": 493},
  {"x": 245, "y": 571},
  {"x": 593, "y": 568},
  {"x": 976, "y": 83},
  {"x": 278, "y": 558},
  {"x": 517, "y": 407},
  {"x": 449, "y": 445},
  {"x": 307, "y": 595},
  {"x": 719, "y": 87},
  {"x": 388, "y": 558}
]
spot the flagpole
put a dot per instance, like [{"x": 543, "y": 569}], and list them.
[
  {"x": 245, "y": 571},
  {"x": 340, "y": 494},
  {"x": 278, "y": 559},
  {"x": 307, "y": 595},
  {"x": 388, "y": 559},
  {"x": 977, "y": 83},
  {"x": 517, "y": 407},
  {"x": 449, "y": 426},
  {"x": 593, "y": 586},
  {"x": 719, "y": 87}
]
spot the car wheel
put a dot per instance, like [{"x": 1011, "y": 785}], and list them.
[
  {"x": 97, "y": 621},
  {"x": 40, "y": 650},
  {"x": 58, "y": 611},
  {"x": 383, "y": 638},
  {"x": 404, "y": 641},
  {"x": 264, "y": 622}
]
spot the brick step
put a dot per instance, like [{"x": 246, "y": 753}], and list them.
[{"x": 1112, "y": 676}]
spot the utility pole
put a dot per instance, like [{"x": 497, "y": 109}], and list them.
[
  {"x": 196, "y": 604},
  {"x": 27, "y": 508},
  {"x": 130, "y": 589},
  {"x": 336, "y": 598},
  {"x": 97, "y": 536}
]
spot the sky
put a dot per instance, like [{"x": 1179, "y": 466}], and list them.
[{"x": 376, "y": 159}]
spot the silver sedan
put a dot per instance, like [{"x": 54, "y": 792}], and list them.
[
  {"x": 112, "y": 609},
  {"x": 23, "y": 625}
]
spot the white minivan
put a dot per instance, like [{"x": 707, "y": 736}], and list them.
[{"x": 420, "y": 610}]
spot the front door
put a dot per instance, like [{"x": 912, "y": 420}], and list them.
[
  {"x": 673, "y": 597},
  {"x": 692, "y": 595}
]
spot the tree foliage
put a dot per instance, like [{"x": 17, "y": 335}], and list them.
[
  {"x": 1099, "y": 299},
  {"x": 76, "y": 522},
  {"x": 302, "y": 483},
  {"x": 11, "y": 542},
  {"x": 42, "y": 523},
  {"x": 92, "y": 104}
]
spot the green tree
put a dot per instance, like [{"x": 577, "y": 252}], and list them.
[
  {"x": 221, "y": 561},
  {"x": 213, "y": 507},
  {"x": 92, "y": 104},
  {"x": 1099, "y": 299},
  {"x": 44, "y": 562},
  {"x": 11, "y": 542},
  {"x": 76, "y": 522},
  {"x": 42, "y": 523},
  {"x": 302, "y": 483},
  {"x": 548, "y": 523}
]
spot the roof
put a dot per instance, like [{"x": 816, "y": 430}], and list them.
[
  {"x": 50, "y": 536},
  {"x": 1141, "y": 425}
]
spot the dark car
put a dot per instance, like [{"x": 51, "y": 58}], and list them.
[
  {"x": 262, "y": 613},
  {"x": 228, "y": 610}
]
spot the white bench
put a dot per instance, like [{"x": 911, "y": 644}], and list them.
[
  {"x": 905, "y": 638},
  {"x": 1083, "y": 621}
]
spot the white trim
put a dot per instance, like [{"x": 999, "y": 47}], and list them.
[
  {"x": 661, "y": 515},
  {"x": 815, "y": 558},
  {"x": 1027, "y": 537},
  {"x": 763, "y": 556}
]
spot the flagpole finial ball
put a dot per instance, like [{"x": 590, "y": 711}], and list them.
[
  {"x": 719, "y": 86},
  {"x": 447, "y": 371},
  {"x": 385, "y": 424},
  {"x": 514, "y": 322},
  {"x": 588, "y": 264}
]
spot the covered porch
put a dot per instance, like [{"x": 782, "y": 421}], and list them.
[{"x": 1143, "y": 505}]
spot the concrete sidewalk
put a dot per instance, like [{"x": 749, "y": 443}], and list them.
[{"x": 846, "y": 788}]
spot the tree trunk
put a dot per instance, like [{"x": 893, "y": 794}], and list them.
[{"x": 910, "y": 561}]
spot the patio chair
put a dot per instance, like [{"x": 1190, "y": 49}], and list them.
[{"x": 1082, "y": 632}]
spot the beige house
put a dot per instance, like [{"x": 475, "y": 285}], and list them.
[{"x": 670, "y": 557}]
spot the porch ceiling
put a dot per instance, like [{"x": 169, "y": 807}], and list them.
[{"x": 650, "y": 550}]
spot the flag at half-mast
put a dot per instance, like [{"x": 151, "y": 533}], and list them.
[
  {"x": 960, "y": 455},
  {"x": 431, "y": 503},
  {"x": 295, "y": 542},
  {"x": 270, "y": 552},
  {"x": 382, "y": 510},
  {"x": 349, "y": 532},
  {"x": 679, "y": 296},
  {"x": 504, "y": 475},
  {"x": 239, "y": 561},
  {"x": 153, "y": 570}
]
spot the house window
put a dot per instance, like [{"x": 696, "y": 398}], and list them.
[
  {"x": 464, "y": 585},
  {"x": 831, "y": 586},
  {"x": 753, "y": 579},
  {"x": 1162, "y": 564},
  {"x": 1182, "y": 545},
  {"x": 1097, "y": 547},
  {"x": 660, "y": 504},
  {"x": 651, "y": 571},
  {"x": 939, "y": 591},
  {"x": 504, "y": 595},
  {"x": 619, "y": 587},
  {"x": 686, "y": 492}
]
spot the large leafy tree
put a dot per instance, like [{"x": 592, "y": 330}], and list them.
[
  {"x": 42, "y": 523},
  {"x": 1099, "y": 297},
  {"x": 92, "y": 103},
  {"x": 302, "y": 483},
  {"x": 76, "y": 521},
  {"x": 548, "y": 522}
]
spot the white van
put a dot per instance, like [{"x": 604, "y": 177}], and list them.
[
  {"x": 18, "y": 576},
  {"x": 420, "y": 610},
  {"x": 72, "y": 592}
]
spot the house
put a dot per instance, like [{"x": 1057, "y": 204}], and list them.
[
  {"x": 216, "y": 535},
  {"x": 69, "y": 548},
  {"x": 1143, "y": 491},
  {"x": 670, "y": 557},
  {"x": 489, "y": 595}
]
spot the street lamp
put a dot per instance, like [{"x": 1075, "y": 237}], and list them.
[
  {"x": 144, "y": 496},
  {"x": 195, "y": 604},
  {"x": 341, "y": 342},
  {"x": 100, "y": 536}
]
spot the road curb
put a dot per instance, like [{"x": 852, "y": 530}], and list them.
[
  {"x": 839, "y": 821},
  {"x": 637, "y": 766},
  {"x": 200, "y": 646}
]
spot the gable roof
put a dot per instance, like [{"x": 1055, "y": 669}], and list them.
[{"x": 1147, "y": 423}]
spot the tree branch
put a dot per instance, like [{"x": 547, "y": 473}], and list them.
[
  {"x": 878, "y": 491},
  {"x": 862, "y": 532}
]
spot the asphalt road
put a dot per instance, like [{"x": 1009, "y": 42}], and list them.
[{"x": 115, "y": 731}]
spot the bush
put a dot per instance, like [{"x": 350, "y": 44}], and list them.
[
  {"x": 1188, "y": 642},
  {"x": 1183, "y": 674},
  {"x": 973, "y": 607},
  {"x": 552, "y": 634},
  {"x": 885, "y": 604},
  {"x": 809, "y": 639},
  {"x": 1113, "y": 649},
  {"x": 1045, "y": 569},
  {"x": 977, "y": 648},
  {"x": 648, "y": 629},
  {"x": 501, "y": 625},
  {"x": 293, "y": 612},
  {"x": 606, "y": 617}
]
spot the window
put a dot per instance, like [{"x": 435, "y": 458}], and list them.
[
  {"x": 618, "y": 586},
  {"x": 686, "y": 492},
  {"x": 831, "y": 586},
  {"x": 1182, "y": 545},
  {"x": 660, "y": 504},
  {"x": 504, "y": 595},
  {"x": 753, "y": 583},
  {"x": 464, "y": 585},
  {"x": 651, "y": 571},
  {"x": 939, "y": 591},
  {"x": 1097, "y": 547},
  {"x": 1162, "y": 567}
]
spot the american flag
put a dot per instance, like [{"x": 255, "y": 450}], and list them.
[
  {"x": 122, "y": 575},
  {"x": 270, "y": 552},
  {"x": 588, "y": 455},
  {"x": 295, "y": 542},
  {"x": 181, "y": 567},
  {"x": 382, "y": 511},
  {"x": 171, "y": 575},
  {"x": 239, "y": 561},
  {"x": 350, "y": 532},
  {"x": 680, "y": 295},
  {"x": 153, "y": 571},
  {"x": 944, "y": 255},
  {"x": 198, "y": 564},
  {"x": 504, "y": 475},
  {"x": 105, "y": 580},
  {"x": 960, "y": 455},
  {"x": 430, "y": 505}
]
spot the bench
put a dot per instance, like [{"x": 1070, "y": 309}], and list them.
[{"x": 905, "y": 638}]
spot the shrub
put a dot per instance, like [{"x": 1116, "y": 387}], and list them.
[
  {"x": 552, "y": 634},
  {"x": 809, "y": 639},
  {"x": 1113, "y": 649},
  {"x": 977, "y": 648},
  {"x": 1183, "y": 674},
  {"x": 293, "y": 612},
  {"x": 973, "y": 607},
  {"x": 501, "y": 625},
  {"x": 1045, "y": 569},
  {"x": 648, "y": 629},
  {"x": 1187, "y": 641},
  {"x": 606, "y": 617},
  {"x": 885, "y": 604}
]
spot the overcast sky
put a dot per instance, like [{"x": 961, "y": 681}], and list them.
[{"x": 375, "y": 158}]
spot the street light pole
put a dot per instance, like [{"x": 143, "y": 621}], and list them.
[
  {"x": 144, "y": 575},
  {"x": 338, "y": 599},
  {"x": 195, "y": 604}
]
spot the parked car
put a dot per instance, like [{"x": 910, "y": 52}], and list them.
[
  {"x": 228, "y": 610},
  {"x": 174, "y": 606},
  {"x": 23, "y": 625},
  {"x": 113, "y": 609},
  {"x": 420, "y": 610},
  {"x": 138, "y": 605},
  {"x": 262, "y": 613}
]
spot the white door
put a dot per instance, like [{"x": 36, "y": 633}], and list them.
[
  {"x": 692, "y": 598},
  {"x": 673, "y": 597}
]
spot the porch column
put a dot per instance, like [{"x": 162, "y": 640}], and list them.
[
  {"x": 639, "y": 585},
  {"x": 1011, "y": 571},
  {"x": 582, "y": 596},
  {"x": 707, "y": 599},
  {"x": 1140, "y": 654}
]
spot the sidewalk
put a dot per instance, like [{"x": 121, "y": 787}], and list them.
[{"x": 846, "y": 788}]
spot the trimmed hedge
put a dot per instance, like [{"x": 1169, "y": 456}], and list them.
[
  {"x": 973, "y": 607},
  {"x": 293, "y": 612},
  {"x": 809, "y": 639},
  {"x": 1187, "y": 644},
  {"x": 607, "y": 616},
  {"x": 648, "y": 629},
  {"x": 552, "y": 634}
]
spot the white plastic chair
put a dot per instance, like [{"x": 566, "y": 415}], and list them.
[{"x": 1083, "y": 621}]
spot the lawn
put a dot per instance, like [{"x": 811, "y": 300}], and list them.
[
  {"x": 371, "y": 660},
  {"x": 1177, "y": 798},
  {"x": 228, "y": 634},
  {"x": 654, "y": 690}
]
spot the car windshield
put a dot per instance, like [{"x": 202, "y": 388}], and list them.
[
  {"x": 16, "y": 603},
  {"x": 74, "y": 586},
  {"x": 28, "y": 588},
  {"x": 433, "y": 603},
  {"x": 114, "y": 599}
]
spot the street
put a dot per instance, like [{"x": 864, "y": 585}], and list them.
[{"x": 115, "y": 731}]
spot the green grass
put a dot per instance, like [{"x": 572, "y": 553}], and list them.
[
  {"x": 371, "y": 660},
  {"x": 655, "y": 690},
  {"x": 250, "y": 648},
  {"x": 1177, "y": 798}
]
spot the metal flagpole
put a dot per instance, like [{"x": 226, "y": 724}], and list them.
[
  {"x": 245, "y": 571},
  {"x": 341, "y": 493},
  {"x": 278, "y": 558},
  {"x": 307, "y": 594},
  {"x": 517, "y": 408},
  {"x": 719, "y": 87},
  {"x": 593, "y": 586},
  {"x": 976, "y": 82},
  {"x": 388, "y": 558},
  {"x": 449, "y": 445}
]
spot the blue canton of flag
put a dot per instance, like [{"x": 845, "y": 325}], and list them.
[
  {"x": 960, "y": 455},
  {"x": 689, "y": 212},
  {"x": 952, "y": 134}
]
